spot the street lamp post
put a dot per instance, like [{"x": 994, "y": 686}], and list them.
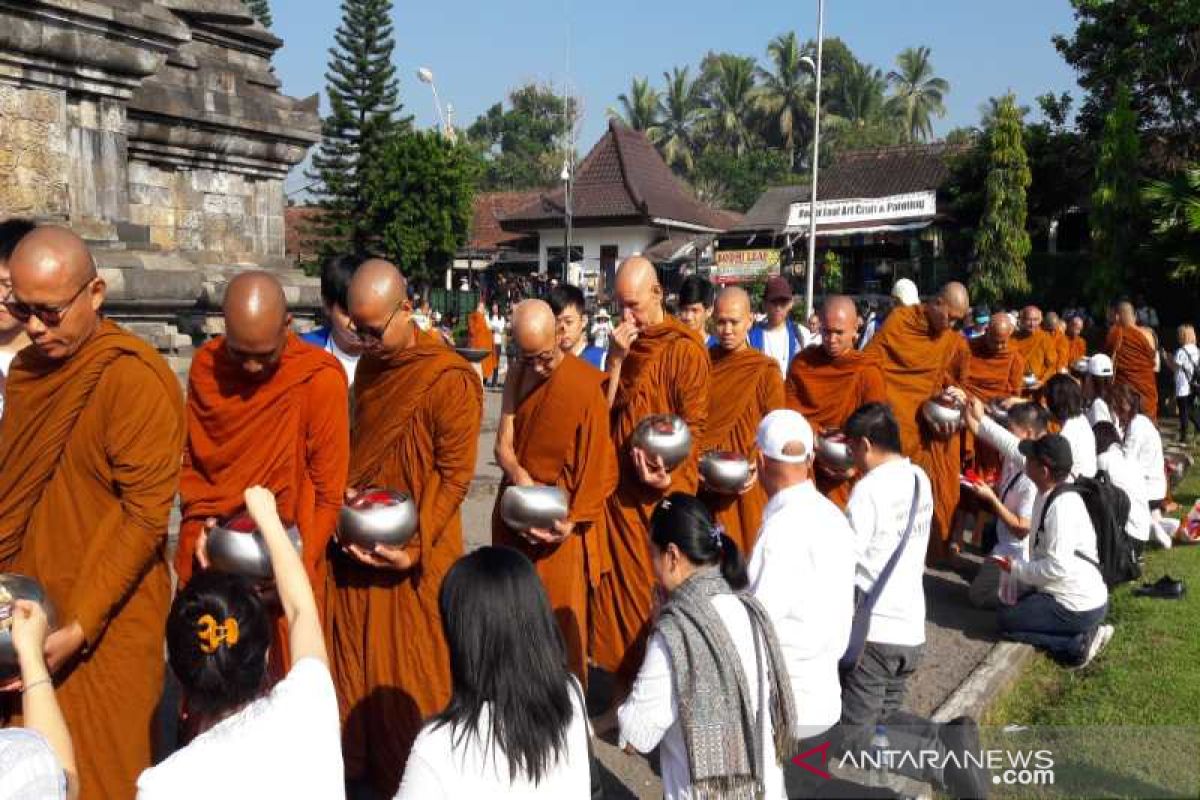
[
  {"x": 812, "y": 206},
  {"x": 425, "y": 75}
]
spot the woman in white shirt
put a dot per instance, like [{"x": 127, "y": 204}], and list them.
[
  {"x": 713, "y": 692},
  {"x": 516, "y": 725},
  {"x": 1064, "y": 400},
  {"x": 1126, "y": 476},
  {"x": 1096, "y": 385},
  {"x": 1142, "y": 442},
  {"x": 1185, "y": 365},
  {"x": 250, "y": 741}
]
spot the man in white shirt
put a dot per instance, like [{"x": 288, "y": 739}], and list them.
[
  {"x": 1064, "y": 614},
  {"x": 891, "y": 511},
  {"x": 779, "y": 337},
  {"x": 1013, "y": 497},
  {"x": 336, "y": 337},
  {"x": 12, "y": 333}
]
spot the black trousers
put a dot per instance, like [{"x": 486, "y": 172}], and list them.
[{"x": 1188, "y": 412}]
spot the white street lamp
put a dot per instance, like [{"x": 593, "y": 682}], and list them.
[
  {"x": 812, "y": 206},
  {"x": 425, "y": 75}
]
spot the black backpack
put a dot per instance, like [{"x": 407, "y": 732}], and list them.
[{"x": 1108, "y": 508}]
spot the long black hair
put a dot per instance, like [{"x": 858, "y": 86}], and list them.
[
  {"x": 505, "y": 651},
  {"x": 218, "y": 683},
  {"x": 1064, "y": 397},
  {"x": 682, "y": 520}
]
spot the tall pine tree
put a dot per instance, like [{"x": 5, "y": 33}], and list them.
[
  {"x": 1002, "y": 243},
  {"x": 363, "y": 99},
  {"x": 261, "y": 9},
  {"x": 1115, "y": 201}
]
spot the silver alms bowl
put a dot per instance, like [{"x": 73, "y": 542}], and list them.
[
  {"x": 525, "y": 507},
  {"x": 236, "y": 545},
  {"x": 724, "y": 472},
  {"x": 833, "y": 450},
  {"x": 378, "y": 516},
  {"x": 1030, "y": 381},
  {"x": 666, "y": 436},
  {"x": 938, "y": 413},
  {"x": 16, "y": 587}
]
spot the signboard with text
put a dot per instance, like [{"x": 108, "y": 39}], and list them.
[
  {"x": 738, "y": 266},
  {"x": 865, "y": 209}
]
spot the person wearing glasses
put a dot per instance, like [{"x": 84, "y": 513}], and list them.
[
  {"x": 924, "y": 358},
  {"x": 263, "y": 408},
  {"x": 12, "y": 331},
  {"x": 92, "y": 436},
  {"x": 336, "y": 337},
  {"x": 417, "y": 413}
]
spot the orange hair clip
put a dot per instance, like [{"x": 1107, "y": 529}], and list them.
[{"x": 212, "y": 635}]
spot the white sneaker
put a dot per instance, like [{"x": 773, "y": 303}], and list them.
[{"x": 1100, "y": 639}]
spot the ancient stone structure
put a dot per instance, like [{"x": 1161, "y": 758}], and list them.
[{"x": 158, "y": 131}]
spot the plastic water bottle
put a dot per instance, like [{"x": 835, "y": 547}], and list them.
[{"x": 880, "y": 754}]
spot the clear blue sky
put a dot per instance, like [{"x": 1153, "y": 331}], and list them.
[{"x": 479, "y": 49}]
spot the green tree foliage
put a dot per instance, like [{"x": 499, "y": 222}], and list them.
[
  {"x": 421, "y": 192},
  {"x": 1150, "y": 47},
  {"x": 640, "y": 108},
  {"x": 363, "y": 100},
  {"x": 727, "y": 180},
  {"x": 730, "y": 91},
  {"x": 680, "y": 108},
  {"x": 1175, "y": 207},
  {"x": 523, "y": 146},
  {"x": 918, "y": 93},
  {"x": 857, "y": 114},
  {"x": 784, "y": 94},
  {"x": 1115, "y": 207},
  {"x": 1002, "y": 243},
  {"x": 831, "y": 274},
  {"x": 261, "y": 9}
]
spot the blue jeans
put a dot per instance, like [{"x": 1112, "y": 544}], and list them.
[{"x": 1040, "y": 620}]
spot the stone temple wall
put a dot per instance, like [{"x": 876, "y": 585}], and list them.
[{"x": 157, "y": 130}]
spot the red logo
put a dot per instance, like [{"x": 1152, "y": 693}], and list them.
[{"x": 801, "y": 760}]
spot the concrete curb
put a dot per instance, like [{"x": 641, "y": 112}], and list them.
[{"x": 992, "y": 676}]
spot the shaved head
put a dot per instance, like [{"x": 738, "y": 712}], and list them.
[
  {"x": 54, "y": 276},
  {"x": 949, "y": 307},
  {"x": 535, "y": 331},
  {"x": 1051, "y": 321},
  {"x": 999, "y": 330},
  {"x": 380, "y": 310},
  {"x": 1031, "y": 319},
  {"x": 839, "y": 325},
  {"x": 256, "y": 322},
  {"x": 1126, "y": 315},
  {"x": 732, "y": 318},
  {"x": 955, "y": 295},
  {"x": 638, "y": 291}
]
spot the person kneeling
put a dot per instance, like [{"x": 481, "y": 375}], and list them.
[
  {"x": 252, "y": 743},
  {"x": 1063, "y": 615}
]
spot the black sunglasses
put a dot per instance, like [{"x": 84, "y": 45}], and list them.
[
  {"x": 368, "y": 335},
  {"x": 50, "y": 316}
]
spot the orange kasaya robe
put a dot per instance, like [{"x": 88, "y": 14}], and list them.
[
  {"x": 1133, "y": 364},
  {"x": 89, "y": 467},
  {"x": 561, "y": 438},
  {"x": 827, "y": 391},
  {"x": 665, "y": 372},
  {"x": 479, "y": 336},
  {"x": 1076, "y": 349},
  {"x": 417, "y": 415},
  {"x": 917, "y": 365},
  {"x": 289, "y": 433},
  {"x": 745, "y": 387},
  {"x": 1038, "y": 351},
  {"x": 1062, "y": 349},
  {"x": 990, "y": 376}
]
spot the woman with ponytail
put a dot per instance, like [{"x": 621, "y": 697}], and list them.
[
  {"x": 713, "y": 690},
  {"x": 249, "y": 740}
]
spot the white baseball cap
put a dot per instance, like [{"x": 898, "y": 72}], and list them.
[
  {"x": 905, "y": 291},
  {"x": 781, "y": 428},
  {"x": 1100, "y": 366}
]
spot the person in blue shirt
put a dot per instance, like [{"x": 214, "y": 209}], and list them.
[
  {"x": 779, "y": 336},
  {"x": 696, "y": 297},
  {"x": 336, "y": 336},
  {"x": 567, "y": 303}
]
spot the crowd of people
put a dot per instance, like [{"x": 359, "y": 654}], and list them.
[{"x": 740, "y": 626}]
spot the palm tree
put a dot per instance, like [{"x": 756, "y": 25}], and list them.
[
  {"x": 785, "y": 94},
  {"x": 680, "y": 110},
  {"x": 730, "y": 82},
  {"x": 859, "y": 99},
  {"x": 917, "y": 93},
  {"x": 1175, "y": 207},
  {"x": 639, "y": 108}
]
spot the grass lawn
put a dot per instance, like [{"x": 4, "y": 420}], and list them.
[{"x": 1148, "y": 676}]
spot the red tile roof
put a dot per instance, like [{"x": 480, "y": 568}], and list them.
[
  {"x": 623, "y": 179},
  {"x": 297, "y": 235},
  {"x": 490, "y": 207},
  {"x": 883, "y": 171}
]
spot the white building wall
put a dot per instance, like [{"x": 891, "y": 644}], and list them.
[{"x": 628, "y": 240}]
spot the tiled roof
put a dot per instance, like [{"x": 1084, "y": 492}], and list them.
[
  {"x": 623, "y": 178},
  {"x": 489, "y": 208},
  {"x": 298, "y": 236},
  {"x": 770, "y": 211}
]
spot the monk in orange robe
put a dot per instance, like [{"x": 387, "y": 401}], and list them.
[
  {"x": 923, "y": 357},
  {"x": 479, "y": 337},
  {"x": 264, "y": 409},
  {"x": 1054, "y": 328},
  {"x": 996, "y": 372},
  {"x": 417, "y": 411},
  {"x": 1076, "y": 344},
  {"x": 1035, "y": 346},
  {"x": 560, "y": 438},
  {"x": 745, "y": 387},
  {"x": 656, "y": 365},
  {"x": 89, "y": 467},
  {"x": 828, "y": 382},
  {"x": 1133, "y": 350}
]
